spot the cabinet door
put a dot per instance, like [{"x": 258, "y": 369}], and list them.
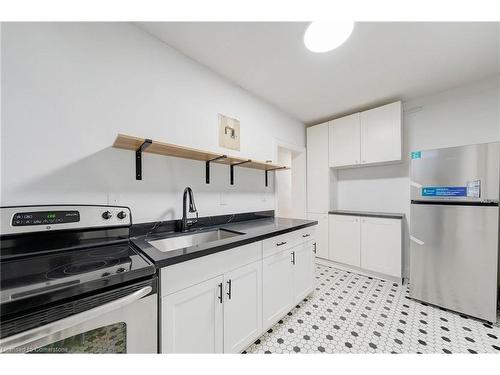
[
  {"x": 381, "y": 134},
  {"x": 344, "y": 239},
  {"x": 242, "y": 307},
  {"x": 192, "y": 319},
  {"x": 303, "y": 270},
  {"x": 321, "y": 234},
  {"x": 344, "y": 142},
  {"x": 277, "y": 287},
  {"x": 318, "y": 172},
  {"x": 381, "y": 245}
]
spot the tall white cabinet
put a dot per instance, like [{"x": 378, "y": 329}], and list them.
[
  {"x": 370, "y": 137},
  {"x": 318, "y": 184},
  {"x": 318, "y": 173}
]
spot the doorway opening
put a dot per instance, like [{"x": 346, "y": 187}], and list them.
[{"x": 290, "y": 185}]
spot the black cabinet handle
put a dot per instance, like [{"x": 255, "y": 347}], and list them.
[
  {"x": 229, "y": 289},
  {"x": 220, "y": 293},
  {"x": 293, "y": 257},
  {"x": 281, "y": 243},
  {"x": 306, "y": 235},
  {"x": 314, "y": 244}
]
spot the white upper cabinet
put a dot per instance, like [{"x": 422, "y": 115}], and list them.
[
  {"x": 318, "y": 177},
  {"x": 344, "y": 135},
  {"x": 368, "y": 137},
  {"x": 381, "y": 134}
]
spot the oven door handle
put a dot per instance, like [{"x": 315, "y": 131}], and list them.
[{"x": 35, "y": 334}]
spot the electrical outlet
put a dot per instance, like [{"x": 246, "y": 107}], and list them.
[
  {"x": 229, "y": 132},
  {"x": 223, "y": 199}
]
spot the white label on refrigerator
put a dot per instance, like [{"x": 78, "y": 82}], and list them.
[{"x": 474, "y": 189}]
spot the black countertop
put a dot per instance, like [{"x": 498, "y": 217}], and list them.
[
  {"x": 254, "y": 230},
  {"x": 385, "y": 215}
]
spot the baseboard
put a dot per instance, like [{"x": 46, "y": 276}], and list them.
[{"x": 359, "y": 271}]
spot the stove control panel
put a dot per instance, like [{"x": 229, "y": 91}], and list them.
[{"x": 45, "y": 218}]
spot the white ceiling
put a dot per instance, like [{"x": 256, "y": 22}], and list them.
[{"x": 378, "y": 63}]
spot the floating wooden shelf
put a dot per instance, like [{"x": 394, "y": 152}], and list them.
[{"x": 142, "y": 145}]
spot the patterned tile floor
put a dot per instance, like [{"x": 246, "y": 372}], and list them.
[{"x": 350, "y": 313}]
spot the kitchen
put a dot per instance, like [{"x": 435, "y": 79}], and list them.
[{"x": 156, "y": 199}]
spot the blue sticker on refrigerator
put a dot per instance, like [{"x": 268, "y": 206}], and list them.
[
  {"x": 416, "y": 154},
  {"x": 444, "y": 191}
]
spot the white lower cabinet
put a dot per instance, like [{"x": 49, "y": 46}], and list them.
[
  {"x": 223, "y": 302},
  {"x": 345, "y": 242},
  {"x": 321, "y": 234},
  {"x": 242, "y": 307},
  {"x": 288, "y": 278},
  {"x": 192, "y": 319},
  {"x": 370, "y": 243},
  {"x": 303, "y": 270},
  {"x": 277, "y": 281},
  {"x": 381, "y": 245}
]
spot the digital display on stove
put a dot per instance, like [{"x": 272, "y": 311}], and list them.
[{"x": 45, "y": 218}]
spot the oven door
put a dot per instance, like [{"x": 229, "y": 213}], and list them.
[{"x": 124, "y": 325}]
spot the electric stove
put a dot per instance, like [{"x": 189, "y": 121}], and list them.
[{"x": 58, "y": 255}]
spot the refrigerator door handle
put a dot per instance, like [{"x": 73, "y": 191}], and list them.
[
  {"x": 416, "y": 240},
  {"x": 415, "y": 184}
]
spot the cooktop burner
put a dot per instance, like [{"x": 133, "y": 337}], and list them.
[{"x": 80, "y": 267}]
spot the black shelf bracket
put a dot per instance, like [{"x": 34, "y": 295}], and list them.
[
  {"x": 138, "y": 158},
  {"x": 207, "y": 167},
  {"x": 232, "y": 168},
  {"x": 270, "y": 170}
]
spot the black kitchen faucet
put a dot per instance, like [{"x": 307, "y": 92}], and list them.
[{"x": 185, "y": 224}]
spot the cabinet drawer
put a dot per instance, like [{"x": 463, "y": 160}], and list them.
[{"x": 286, "y": 241}]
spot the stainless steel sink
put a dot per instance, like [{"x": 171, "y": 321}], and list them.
[{"x": 192, "y": 239}]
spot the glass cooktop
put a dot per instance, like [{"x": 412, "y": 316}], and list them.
[{"x": 85, "y": 269}]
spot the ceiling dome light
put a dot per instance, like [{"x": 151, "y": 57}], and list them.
[{"x": 325, "y": 36}]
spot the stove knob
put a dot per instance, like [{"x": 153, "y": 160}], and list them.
[
  {"x": 105, "y": 274},
  {"x": 120, "y": 270},
  {"x": 106, "y": 215},
  {"x": 122, "y": 215}
]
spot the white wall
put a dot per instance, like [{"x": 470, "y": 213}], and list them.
[
  {"x": 69, "y": 88},
  {"x": 464, "y": 115}
]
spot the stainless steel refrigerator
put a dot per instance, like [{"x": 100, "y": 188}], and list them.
[{"x": 454, "y": 227}]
